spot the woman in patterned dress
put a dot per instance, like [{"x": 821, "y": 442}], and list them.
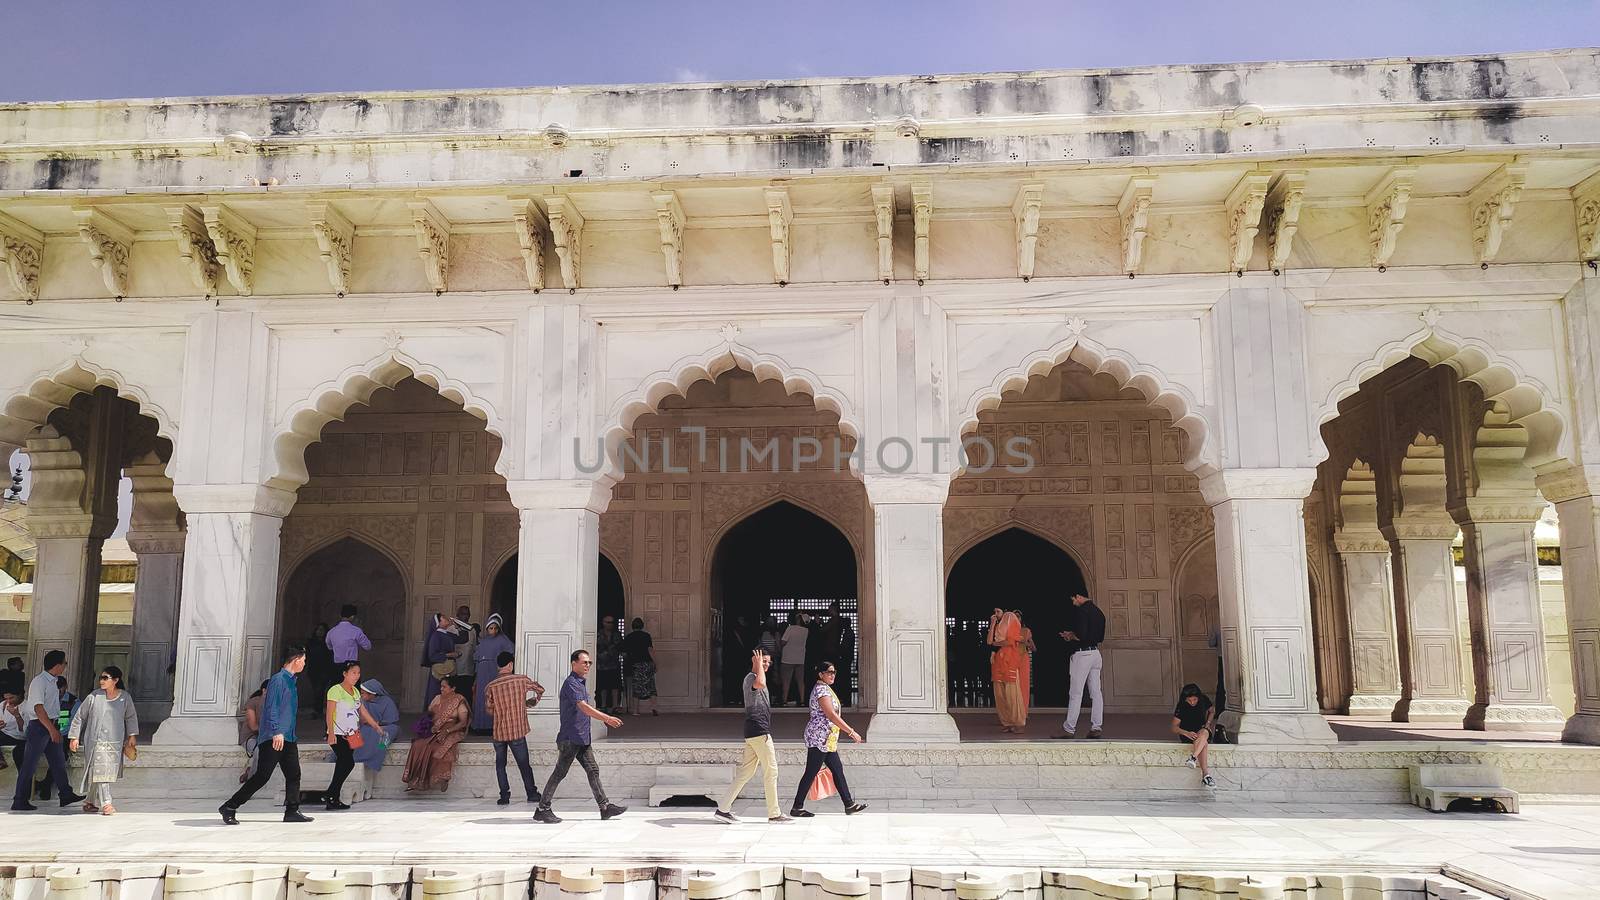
[
  {"x": 822, "y": 743},
  {"x": 104, "y": 728}
]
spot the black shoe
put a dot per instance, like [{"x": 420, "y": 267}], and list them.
[
  {"x": 535, "y": 798},
  {"x": 798, "y": 813},
  {"x": 228, "y": 817},
  {"x": 504, "y": 800},
  {"x": 69, "y": 799},
  {"x": 23, "y": 806},
  {"x": 545, "y": 815},
  {"x": 854, "y": 808},
  {"x": 611, "y": 811},
  {"x": 295, "y": 815},
  {"x": 336, "y": 805},
  {"x": 1094, "y": 732}
]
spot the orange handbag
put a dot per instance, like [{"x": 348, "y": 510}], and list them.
[{"x": 823, "y": 787}]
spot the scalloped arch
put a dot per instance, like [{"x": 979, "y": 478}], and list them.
[
  {"x": 301, "y": 426},
  {"x": 289, "y": 567},
  {"x": 675, "y": 382},
  {"x": 953, "y": 556},
  {"x": 765, "y": 503},
  {"x": 51, "y": 390},
  {"x": 1157, "y": 388},
  {"x": 1525, "y": 400}
]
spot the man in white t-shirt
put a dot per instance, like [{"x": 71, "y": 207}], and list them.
[{"x": 792, "y": 661}]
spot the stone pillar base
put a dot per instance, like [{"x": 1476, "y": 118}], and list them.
[
  {"x": 1378, "y": 706},
  {"x": 1431, "y": 710},
  {"x": 912, "y": 728},
  {"x": 1278, "y": 728},
  {"x": 198, "y": 731},
  {"x": 1583, "y": 728},
  {"x": 1503, "y": 717}
]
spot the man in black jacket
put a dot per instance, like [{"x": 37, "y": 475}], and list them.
[{"x": 1087, "y": 629}]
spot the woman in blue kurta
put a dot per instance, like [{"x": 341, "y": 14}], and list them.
[
  {"x": 486, "y": 668},
  {"x": 375, "y": 744},
  {"x": 439, "y": 647}
]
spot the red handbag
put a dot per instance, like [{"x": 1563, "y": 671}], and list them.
[{"x": 823, "y": 787}]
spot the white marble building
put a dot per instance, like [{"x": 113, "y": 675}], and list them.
[{"x": 1279, "y": 332}]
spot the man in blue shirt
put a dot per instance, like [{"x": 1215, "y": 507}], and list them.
[
  {"x": 276, "y": 747},
  {"x": 573, "y": 742}
]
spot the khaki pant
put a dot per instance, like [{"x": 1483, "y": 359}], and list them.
[{"x": 758, "y": 751}]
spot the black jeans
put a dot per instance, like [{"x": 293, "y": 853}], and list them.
[
  {"x": 287, "y": 759},
  {"x": 815, "y": 760},
  {"x": 519, "y": 752},
  {"x": 585, "y": 757},
  {"x": 39, "y": 744},
  {"x": 344, "y": 762}
]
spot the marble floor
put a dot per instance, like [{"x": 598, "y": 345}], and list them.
[{"x": 1548, "y": 851}]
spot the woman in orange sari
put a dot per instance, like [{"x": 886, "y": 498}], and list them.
[
  {"x": 1009, "y": 666},
  {"x": 432, "y": 759}
]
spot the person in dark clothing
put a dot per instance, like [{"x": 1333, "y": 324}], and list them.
[
  {"x": 572, "y": 742},
  {"x": 12, "y": 679},
  {"x": 277, "y": 748},
  {"x": 638, "y": 651},
  {"x": 1087, "y": 629},
  {"x": 1192, "y": 722},
  {"x": 41, "y": 707}
]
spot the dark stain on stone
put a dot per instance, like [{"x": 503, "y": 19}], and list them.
[
  {"x": 1209, "y": 94},
  {"x": 802, "y": 151},
  {"x": 59, "y": 173},
  {"x": 934, "y": 151},
  {"x": 484, "y": 114},
  {"x": 1497, "y": 122},
  {"x": 856, "y": 152},
  {"x": 1099, "y": 93},
  {"x": 1219, "y": 141},
  {"x": 1028, "y": 96},
  {"x": 1481, "y": 79},
  {"x": 982, "y": 97},
  {"x": 160, "y": 167},
  {"x": 290, "y": 117},
  {"x": 1120, "y": 143},
  {"x": 362, "y": 108}
]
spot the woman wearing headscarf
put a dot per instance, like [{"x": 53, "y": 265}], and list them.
[
  {"x": 375, "y": 741},
  {"x": 438, "y": 654},
  {"x": 105, "y": 727},
  {"x": 486, "y": 668},
  {"x": 1009, "y": 667},
  {"x": 433, "y": 758}
]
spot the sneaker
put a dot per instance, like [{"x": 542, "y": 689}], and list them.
[
  {"x": 854, "y": 808},
  {"x": 727, "y": 817},
  {"x": 1094, "y": 732},
  {"x": 504, "y": 800},
  {"x": 545, "y": 815},
  {"x": 336, "y": 805},
  {"x": 778, "y": 820},
  {"x": 1208, "y": 781},
  {"x": 611, "y": 811},
  {"x": 1192, "y": 761},
  {"x": 295, "y": 815},
  {"x": 228, "y": 818},
  {"x": 799, "y": 813}
]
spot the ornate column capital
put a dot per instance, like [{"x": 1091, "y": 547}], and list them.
[
  {"x": 156, "y": 541},
  {"x": 1426, "y": 527},
  {"x": 882, "y": 489},
  {"x": 1346, "y": 541},
  {"x": 566, "y": 493},
  {"x": 1482, "y": 510},
  {"x": 1570, "y": 483},
  {"x": 234, "y": 498},
  {"x": 1257, "y": 484}
]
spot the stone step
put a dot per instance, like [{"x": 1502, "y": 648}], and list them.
[{"x": 688, "y": 781}]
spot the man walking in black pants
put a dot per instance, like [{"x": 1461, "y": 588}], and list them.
[
  {"x": 573, "y": 742},
  {"x": 279, "y": 707},
  {"x": 41, "y": 708}
]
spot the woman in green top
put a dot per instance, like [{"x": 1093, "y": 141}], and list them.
[{"x": 345, "y": 715}]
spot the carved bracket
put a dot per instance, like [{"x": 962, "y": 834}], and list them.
[
  {"x": 1025, "y": 210},
  {"x": 921, "y": 221},
  {"x": 883, "y": 209},
  {"x": 1586, "y": 203},
  {"x": 1283, "y": 216},
  {"x": 433, "y": 243},
  {"x": 235, "y": 243},
  {"x": 780, "y": 215},
  {"x": 531, "y": 226},
  {"x": 1245, "y": 203},
  {"x": 21, "y": 253},
  {"x": 110, "y": 246},
  {"x": 1386, "y": 212},
  {"x": 566, "y": 230},
  {"x": 1492, "y": 204},
  {"x": 1134, "y": 208},
  {"x": 669, "y": 219},
  {"x": 195, "y": 247},
  {"x": 336, "y": 241}
]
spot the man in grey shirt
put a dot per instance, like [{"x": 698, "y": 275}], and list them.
[
  {"x": 41, "y": 708},
  {"x": 758, "y": 749}
]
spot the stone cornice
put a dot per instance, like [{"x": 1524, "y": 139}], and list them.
[
  {"x": 549, "y": 494},
  {"x": 197, "y": 499},
  {"x": 1351, "y": 542},
  {"x": 1257, "y": 484}
]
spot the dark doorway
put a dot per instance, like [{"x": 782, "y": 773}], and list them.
[
  {"x": 503, "y": 594},
  {"x": 349, "y": 571},
  {"x": 1019, "y": 570},
  {"x": 780, "y": 560},
  {"x": 611, "y": 600}
]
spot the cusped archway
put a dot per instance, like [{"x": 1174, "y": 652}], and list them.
[{"x": 348, "y": 571}]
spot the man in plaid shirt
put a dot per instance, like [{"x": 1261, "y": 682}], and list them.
[{"x": 507, "y": 699}]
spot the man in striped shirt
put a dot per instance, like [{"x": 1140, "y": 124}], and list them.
[{"x": 507, "y": 699}]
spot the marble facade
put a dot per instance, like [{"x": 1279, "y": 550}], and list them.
[{"x": 1306, "y": 350}]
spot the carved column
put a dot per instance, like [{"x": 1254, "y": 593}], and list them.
[
  {"x": 1511, "y": 689},
  {"x": 229, "y": 598},
  {"x": 1576, "y": 493},
  {"x": 156, "y": 535},
  {"x": 558, "y": 560},
  {"x": 1429, "y": 638},
  {"x": 908, "y": 557},
  {"x": 1265, "y": 603},
  {"x": 1369, "y": 604}
]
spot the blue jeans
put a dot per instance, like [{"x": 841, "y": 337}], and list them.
[
  {"x": 519, "y": 751},
  {"x": 39, "y": 744}
]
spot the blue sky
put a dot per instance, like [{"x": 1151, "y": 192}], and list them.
[{"x": 86, "y": 49}]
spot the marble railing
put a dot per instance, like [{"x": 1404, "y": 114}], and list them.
[{"x": 744, "y": 882}]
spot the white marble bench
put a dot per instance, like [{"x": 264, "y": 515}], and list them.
[
  {"x": 1433, "y": 786},
  {"x": 709, "y": 782}
]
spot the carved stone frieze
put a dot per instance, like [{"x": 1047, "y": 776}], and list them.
[
  {"x": 234, "y": 239},
  {"x": 110, "y": 246},
  {"x": 335, "y": 242},
  {"x": 616, "y": 536},
  {"x": 1570, "y": 483},
  {"x": 500, "y": 534},
  {"x": 1245, "y": 205},
  {"x": 1186, "y": 525},
  {"x": 1386, "y": 212},
  {"x": 1134, "y": 208},
  {"x": 194, "y": 247}
]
